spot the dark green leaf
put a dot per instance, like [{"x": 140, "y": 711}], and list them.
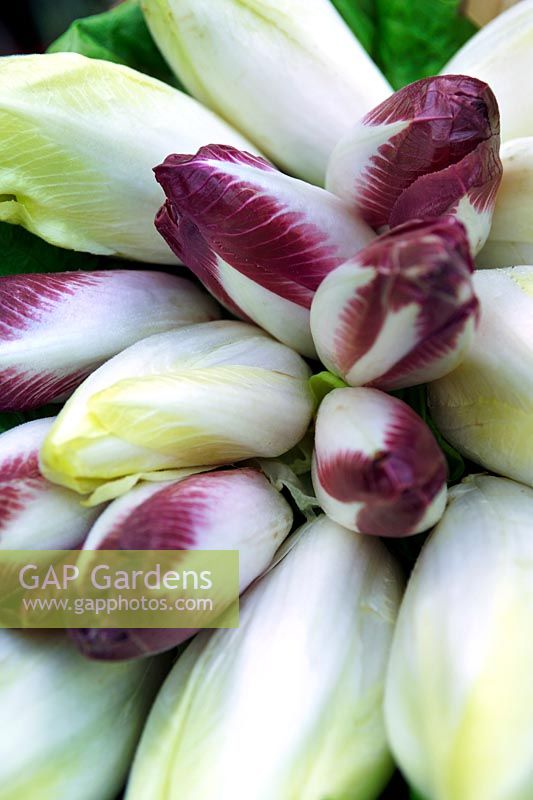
[
  {"x": 415, "y": 39},
  {"x": 22, "y": 252},
  {"x": 12, "y": 419},
  {"x": 360, "y": 16},
  {"x": 397, "y": 789},
  {"x": 8, "y": 421},
  {"x": 119, "y": 35}
]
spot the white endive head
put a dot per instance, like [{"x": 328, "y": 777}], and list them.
[
  {"x": 259, "y": 240},
  {"x": 485, "y": 406},
  {"x": 289, "y": 704},
  {"x": 377, "y": 468},
  {"x": 430, "y": 149},
  {"x": 78, "y": 140},
  {"x": 501, "y": 54},
  {"x": 403, "y": 311},
  {"x": 511, "y": 237},
  {"x": 56, "y": 329},
  {"x": 235, "y": 509},
  {"x": 73, "y": 723},
  {"x": 34, "y": 513},
  {"x": 207, "y": 394},
  {"x": 459, "y": 699},
  {"x": 288, "y": 73}
]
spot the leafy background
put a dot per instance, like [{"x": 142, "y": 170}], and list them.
[{"x": 408, "y": 39}]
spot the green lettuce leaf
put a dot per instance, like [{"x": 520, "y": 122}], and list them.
[
  {"x": 10, "y": 419},
  {"x": 408, "y": 40},
  {"x": 119, "y": 35},
  {"x": 415, "y": 39},
  {"x": 22, "y": 252}
]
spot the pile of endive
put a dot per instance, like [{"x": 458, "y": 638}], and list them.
[{"x": 322, "y": 321}]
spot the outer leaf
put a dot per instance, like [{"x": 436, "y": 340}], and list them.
[
  {"x": 119, "y": 35},
  {"x": 485, "y": 406},
  {"x": 510, "y": 240},
  {"x": 459, "y": 698},
  {"x": 416, "y": 38},
  {"x": 35, "y": 514},
  {"x": 74, "y": 723}
]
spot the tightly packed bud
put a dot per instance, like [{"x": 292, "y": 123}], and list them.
[
  {"x": 207, "y": 394},
  {"x": 377, "y": 468},
  {"x": 288, "y": 73},
  {"x": 459, "y": 699},
  {"x": 78, "y": 140},
  {"x": 400, "y": 313},
  {"x": 485, "y": 406},
  {"x": 285, "y": 716},
  {"x": 511, "y": 237},
  {"x": 430, "y": 149},
  {"x": 502, "y": 55},
  {"x": 56, "y": 329},
  {"x": 260, "y": 241},
  {"x": 35, "y": 514},
  {"x": 74, "y": 724},
  {"x": 228, "y": 510}
]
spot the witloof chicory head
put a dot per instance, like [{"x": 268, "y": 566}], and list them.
[
  {"x": 78, "y": 140},
  {"x": 236, "y": 509},
  {"x": 428, "y": 150},
  {"x": 56, "y": 329},
  {"x": 511, "y": 237},
  {"x": 289, "y": 704},
  {"x": 71, "y": 725},
  {"x": 288, "y": 73},
  {"x": 377, "y": 468},
  {"x": 501, "y": 54},
  {"x": 485, "y": 406},
  {"x": 34, "y": 513},
  {"x": 259, "y": 240},
  {"x": 459, "y": 697},
  {"x": 403, "y": 311},
  {"x": 207, "y": 394}
]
